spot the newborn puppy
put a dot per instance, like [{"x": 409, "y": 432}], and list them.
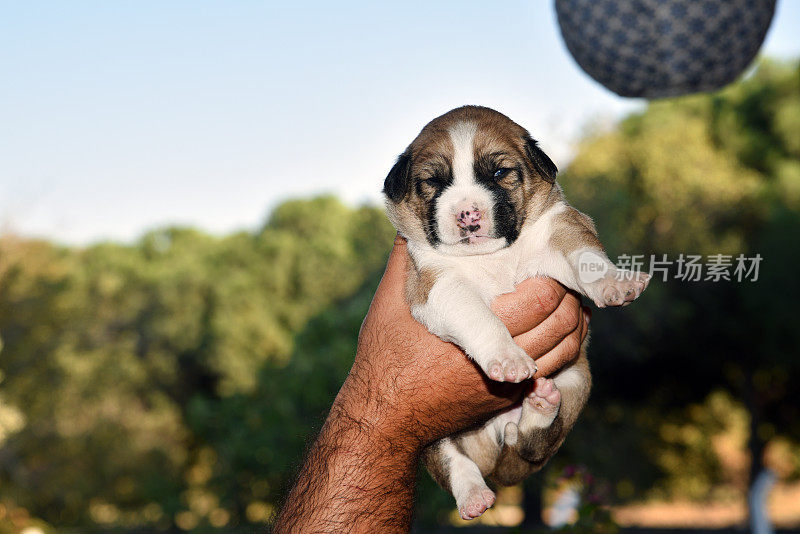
[{"x": 477, "y": 200}]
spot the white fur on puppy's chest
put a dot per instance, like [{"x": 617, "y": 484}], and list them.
[{"x": 457, "y": 308}]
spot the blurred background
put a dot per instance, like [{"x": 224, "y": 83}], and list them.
[{"x": 191, "y": 232}]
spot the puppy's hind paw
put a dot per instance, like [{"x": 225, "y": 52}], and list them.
[
  {"x": 545, "y": 398},
  {"x": 477, "y": 501},
  {"x": 540, "y": 407}
]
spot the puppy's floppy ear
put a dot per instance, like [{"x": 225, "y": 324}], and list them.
[
  {"x": 398, "y": 181},
  {"x": 543, "y": 164}
]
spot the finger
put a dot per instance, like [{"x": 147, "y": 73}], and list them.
[
  {"x": 398, "y": 257},
  {"x": 587, "y": 317},
  {"x": 559, "y": 324},
  {"x": 532, "y": 302},
  {"x": 393, "y": 280},
  {"x": 497, "y": 395},
  {"x": 472, "y": 398},
  {"x": 563, "y": 354}
]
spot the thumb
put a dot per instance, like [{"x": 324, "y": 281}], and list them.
[{"x": 394, "y": 278}]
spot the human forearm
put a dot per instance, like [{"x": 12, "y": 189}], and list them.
[{"x": 356, "y": 477}]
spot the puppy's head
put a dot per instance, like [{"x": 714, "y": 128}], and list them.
[{"x": 467, "y": 183}]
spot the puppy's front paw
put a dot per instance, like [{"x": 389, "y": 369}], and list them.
[
  {"x": 476, "y": 501},
  {"x": 512, "y": 364},
  {"x": 618, "y": 288}
]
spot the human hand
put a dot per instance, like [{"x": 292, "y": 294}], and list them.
[
  {"x": 406, "y": 389},
  {"x": 415, "y": 388}
]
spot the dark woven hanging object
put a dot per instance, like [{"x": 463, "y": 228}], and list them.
[{"x": 659, "y": 48}]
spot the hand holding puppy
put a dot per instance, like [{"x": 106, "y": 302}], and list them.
[
  {"x": 408, "y": 388},
  {"x": 426, "y": 385}
]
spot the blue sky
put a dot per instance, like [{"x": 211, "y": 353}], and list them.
[{"x": 117, "y": 117}]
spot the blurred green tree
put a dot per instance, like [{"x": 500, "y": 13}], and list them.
[
  {"x": 173, "y": 382},
  {"x": 109, "y": 347},
  {"x": 706, "y": 174}
]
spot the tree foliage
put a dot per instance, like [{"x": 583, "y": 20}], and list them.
[
  {"x": 706, "y": 174},
  {"x": 175, "y": 381},
  {"x": 110, "y": 351}
]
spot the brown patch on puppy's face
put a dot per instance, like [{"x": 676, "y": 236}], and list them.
[{"x": 465, "y": 184}]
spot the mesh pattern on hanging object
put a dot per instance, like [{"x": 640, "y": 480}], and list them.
[{"x": 659, "y": 48}]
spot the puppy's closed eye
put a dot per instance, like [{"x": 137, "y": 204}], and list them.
[{"x": 438, "y": 181}]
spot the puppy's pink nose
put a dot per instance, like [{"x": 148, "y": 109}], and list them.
[{"x": 469, "y": 218}]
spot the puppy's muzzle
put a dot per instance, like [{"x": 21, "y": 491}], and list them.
[
  {"x": 471, "y": 222},
  {"x": 469, "y": 218}
]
